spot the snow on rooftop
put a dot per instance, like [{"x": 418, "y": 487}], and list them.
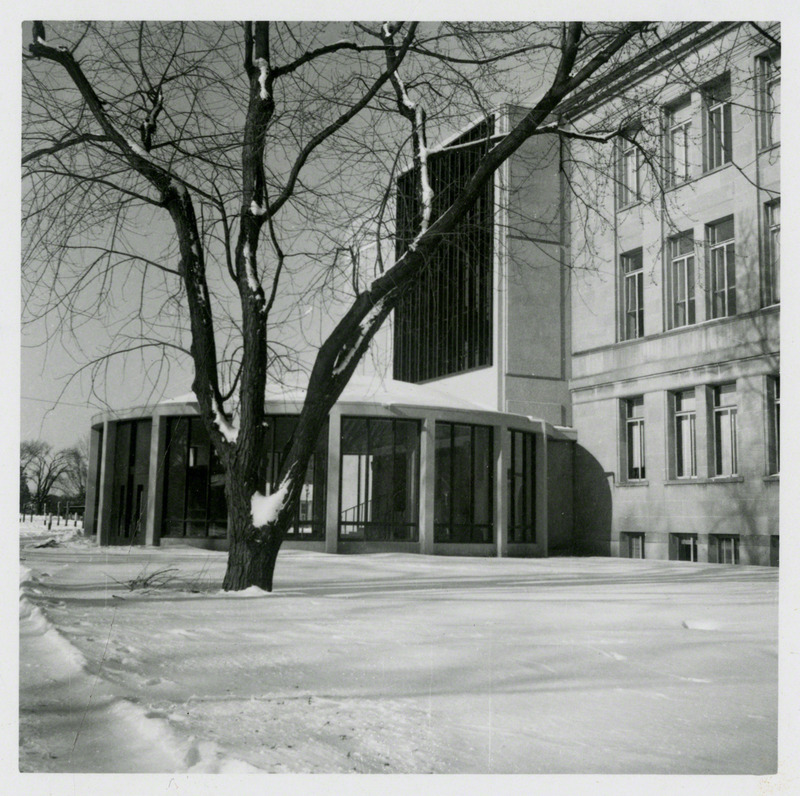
[{"x": 367, "y": 389}]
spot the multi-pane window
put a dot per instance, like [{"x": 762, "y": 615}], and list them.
[
  {"x": 772, "y": 272},
  {"x": 194, "y": 482},
  {"x": 721, "y": 268},
  {"x": 727, "y": 549},
  {"x": 717, "y": 134},
  {"x": 725, "y": 440},
  {"x": 632, "y": 545},
  {"x": 678, "y": 134},
  {"x": 774, "y": 423},
  {"x": 628, "y": 173},
  {"x": 634, "y": 438},
  {"x": 685, "y": 434},
  {"x": 522, "y": 488},
  {"x": 443, "y": 322},
  {"x": 681, "y": 281},
  {"x": 309, "y": 519},
  {"x": 379, "y": 482},
  {"x": 632, "y": 295},
  {"x": 683, "y": 547},
  {"x": 463, "y": 493},
  {"x": 768, "y": 71}
]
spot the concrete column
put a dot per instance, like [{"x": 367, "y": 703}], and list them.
[
  {"x": 502, "y": 459},
  {"x": 332, "y": 488},
  {"x": 542, "y": 488},
  {"x": 106, "y": 483},
  {"x": 155, "y": 481},
  {"x": 95, "y": 452},
  {"x": 427, "y": 484}
]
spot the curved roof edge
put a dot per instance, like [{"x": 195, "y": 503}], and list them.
[{"x": 386, "y": 393}]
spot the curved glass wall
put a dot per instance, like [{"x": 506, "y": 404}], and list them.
[
  {"x": 309, "y": 520},
  {"x": 194, "y": 482},
  {"x": 379, "y": 483},
  {"x": 521, "y": 488},
  {"x": 464, "y": 494}
]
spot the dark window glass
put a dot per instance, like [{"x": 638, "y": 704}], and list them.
[
  {"x": 379, "y": 479},
  {"x": 443, "y": 324},
  {"x": 309, "y": 520},
  {"x": 521, "y": 488},
  {"x": 718, "y": 135},
  {"x": 464, "y": 486},
  {"x": 633, "y": 295}
]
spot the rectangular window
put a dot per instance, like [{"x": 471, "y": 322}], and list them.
[
  {"x": 194, "y": 482},
  {"x": 685, "y": 434},
  {"x": 379, "y": 479},
  {"x": 632, "y": 295},
  {"x": 725, "y": 440},
  {"x": 463, "y": 493},
  {"x": 678, "y": 134},
  {"x": 774, "y": 423},
  {"x": 727, "y": 549},
  {"x": 632, "y": 545},
  {"x": 717, "y": 135},
  {"x": 628, "y": 174},
  {"x": 522, "y": 488},
  {"x": 772, "y": 271},
  {"x": 309, "y": 519},
  {"x": 443, "y": 323},
  {"x": 634, "y": 438},
  {"x": 768, "y": 74},
  {"x": 683, "y": 547},
  {"x": 681, "y": 281},
  {"x": 721, "y": 268}
]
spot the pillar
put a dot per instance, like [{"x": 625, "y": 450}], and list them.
[
  {"x": 502, "y": 459},
  {"x": 427, "y": 484},
  {"x": 332, "y": 481},
  {"x": 103, "y": 526},
  {"x": 155, "y": 481}
]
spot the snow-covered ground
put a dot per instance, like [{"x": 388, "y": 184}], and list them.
[{"x": 394, "y": 663}]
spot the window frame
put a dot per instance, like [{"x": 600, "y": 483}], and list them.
[
  {"x": 451, "y": 532},
  {"x": 717, "y": 135},
  {"x": 687, "y": 262},
  {"x": 521, "y": 487},
  {"x": 634, "y": 448},
  {"x": 768, "y": 79},
  {"x": 772, "y": 252},
  {"x": 673, "y": 177},
  {"x": 627, "y": 194},
  {"x": 632, "y": 278},
  {"x": 774, "y": 425},
  {"x": 721, "y": 262},
  {"x": 720, "y": 410},
  {"x": 681, "y": 416},
  {"x": 724, "y": 543}
]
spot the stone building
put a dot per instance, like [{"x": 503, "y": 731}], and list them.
[{"x": 612, "y": 312}]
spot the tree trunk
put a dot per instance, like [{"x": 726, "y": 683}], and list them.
[{"x": 252, "y": 552}]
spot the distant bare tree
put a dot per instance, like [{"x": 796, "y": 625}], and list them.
[
  {"x": 43, "y": 469},
  {"x": 73, "y": 482}
]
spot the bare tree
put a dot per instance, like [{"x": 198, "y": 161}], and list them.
[
  {"x": 251, "y": 153},
  {"x": 42, "y": 468},
  {"x": 73, "y": 482}
]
